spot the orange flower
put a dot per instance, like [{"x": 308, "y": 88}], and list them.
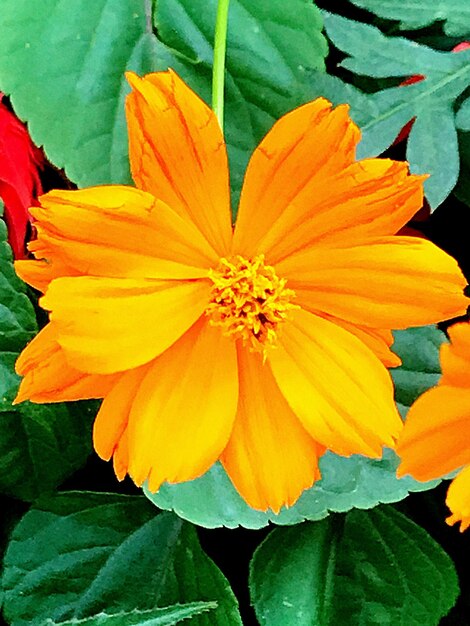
[
  {"x": 260, "y": 345},
  {"x": 436, "y": 437}
]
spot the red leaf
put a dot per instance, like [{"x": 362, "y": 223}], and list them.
[{"x": 20, "y": 184}]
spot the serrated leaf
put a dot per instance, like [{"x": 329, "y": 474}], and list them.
[
  {"x": 413, "y": 15},
  {"x": 432, "y": 145},
  {"x": 212, "y": 501},
  {"x": 368, "y": 568},
  {"x": 76, "y": 555},
  {"x": 63, "y": 65},
  {"x": 152, "y": 617}
]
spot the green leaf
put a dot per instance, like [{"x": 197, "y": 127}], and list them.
[
  {"x": 65, "y": 70},
  {"x": 40, "y": 445},
  {"x": 270, "y": 52},
  {"x": 212, "y": 501},
  {"x": 77, "y": 555},
  {"x": 63, "y": 65},
  {"x": 17, "y": 317},
  {"x": 153, "y": 617},
  {"x": 419, "y": 351},
  {"x": 413, "y": 15},
  {"x": 462, "y": 119},
  {"x": 368, "y": 568},
  {"x": 432, "y": 146}
]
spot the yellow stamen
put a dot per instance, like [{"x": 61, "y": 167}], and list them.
[{"x": 249, "y": 300}]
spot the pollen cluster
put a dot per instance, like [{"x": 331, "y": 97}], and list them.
[{"x": 249, "y": 300}]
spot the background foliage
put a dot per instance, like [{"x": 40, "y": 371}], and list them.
[{"x": 79, "y": 557}]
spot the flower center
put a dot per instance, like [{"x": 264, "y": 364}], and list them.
[{"x": 248, "y": 301}]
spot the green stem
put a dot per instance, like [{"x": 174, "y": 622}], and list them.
[{"x": 218, "y": 69}]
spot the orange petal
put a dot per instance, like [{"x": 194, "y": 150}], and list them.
[
  {"x": 377, "y": 339},
  {"x": 48, "y": 377},
  {"x": 178, "y": 154},
  {"x": 270, "y": 458},
  {"x": 335, "y": 385},
  {"x": 183, "y": 411},
  {"x": 455, "y": 357},
  {"x": 302, "y": 185},
  {"x": 107, "y": 325},
  {"x": 39, "y": 274},
  {"x": 458, "y": 500},
  {"x": 309, "y": 142},
  {"x": 121, "y": 457},
  {"x": 388, "y": 282},
  {"x": 118, "y": 231},
  {"x": 435, "y": 440},
  {"x": 113, "y": 416}
]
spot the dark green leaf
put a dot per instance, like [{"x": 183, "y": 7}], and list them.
[
  {"x": 419, "y": 351},
  {"x": 412, "y": 15},
  {"x": 17, "y": 317},
  {"x": 152, "y": 617},
  {"x": 462, "y": 119},
  {"x": 368, "y": 568},
  {"x": 462, "y": 190},
  {"x": 212, "y": 500},
  {"x": 40, "y": 446},
  {"x": 77, "y": 555},
  {"x": 63, "y": 65},
  {"x": 432, "y": 145}
]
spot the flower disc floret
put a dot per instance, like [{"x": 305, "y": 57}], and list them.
[{"x": 249, "y": 301}]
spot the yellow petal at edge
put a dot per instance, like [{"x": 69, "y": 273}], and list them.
[
  {"x": 177, "y": 153},
  {"x": 270, "y": 458},
  {"x": 458, "y": 499},
  {"x": 455, "y": 357},
  {"x": 337, "y": 387},
  {"x": 108, "y": 325},
  {"x": 436, "y": 437}
]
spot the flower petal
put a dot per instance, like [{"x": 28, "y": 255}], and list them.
[
  {"x": 455, "y": 357},
  {"x": 39, "y": 274},
  {"x": 107, "y": 325},
  {"x": 378, "y": 340},
  {"x": 119, "y": 231},
  {"x": 183, "y": 411},
  {"x": 48, "y": 377},
  {"x": 178, "y": 154},
  {"x": 270, "y": 458},
  {"x": 335, "y": 385},
  {"x": 458, "y": 499},
  {"x": 303, "y": 186},
  {"x": 113, "y": 416},
  {"x": 435, "y": 440},
  {"x": 388, "y": 282}
]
